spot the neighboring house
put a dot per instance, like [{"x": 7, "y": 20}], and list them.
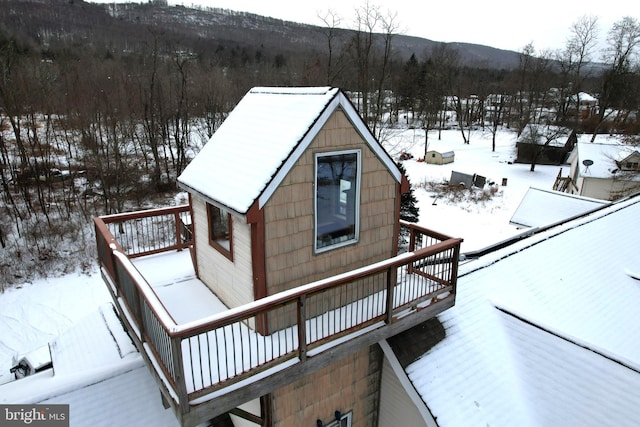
[
  {"x": 605, "y": 171},
  {"x": 586, "y": 104},
  {"x": 545, "y": 332},
  {"x": 293, "y": 228},
  {"x": 544, "y": 145},
  {"x": 542, "y": 208},
  {"x": 437, "y": 158}
]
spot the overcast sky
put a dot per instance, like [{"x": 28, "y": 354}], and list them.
[{"x": 497, "y": 23}]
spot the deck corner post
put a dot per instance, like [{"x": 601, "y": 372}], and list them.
[{"x": 178, "y": 374}]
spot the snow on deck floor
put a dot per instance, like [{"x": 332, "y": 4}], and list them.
[{"x": 173, "y": 278}]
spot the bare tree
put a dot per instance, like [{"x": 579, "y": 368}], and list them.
[
  {"x": 362, "y": 49},
  {"x": 540, "y": 137},
  {"x": 496, "y": 113},
  {"x": 623, "y": 41},
  {"x": 332, "y": 22}
]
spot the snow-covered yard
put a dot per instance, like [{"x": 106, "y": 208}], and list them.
[{"x": 32, "y": 314}]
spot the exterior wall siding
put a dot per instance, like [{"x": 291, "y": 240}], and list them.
[
  {"x": 289, "y": 215},
  {"x": 396, "y": 407},
  {"x": 349, "y": 385},
  {"x": 605, "y": 189},
  {"x": 232, "y": 282}
]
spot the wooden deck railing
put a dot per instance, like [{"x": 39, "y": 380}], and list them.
[{"x": 203, "y": 356}]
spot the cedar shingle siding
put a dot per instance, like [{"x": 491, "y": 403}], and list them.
[{"x": 289, "y": 215}]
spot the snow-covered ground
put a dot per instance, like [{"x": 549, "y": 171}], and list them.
[
  {"x": 32, "y": 314},
  {"x": 478, "y": 223}
]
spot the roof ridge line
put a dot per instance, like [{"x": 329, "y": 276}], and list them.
[{"x": 569, "y": 340}]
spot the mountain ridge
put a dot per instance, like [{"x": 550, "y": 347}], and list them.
[{"x": 49, "y": 22}]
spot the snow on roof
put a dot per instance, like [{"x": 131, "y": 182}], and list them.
[
  {"x": 540, "y": 208},
  {"x": 99, "y": 374},
  {"x": 603, "y": 156},
  {"x": 584, "y": 97},
  {"x": 445, "y": 154},
  {"x": 260, "y": 139},
  {"x": 544, "y": 332},
  {"x": 553, "y": 136}
]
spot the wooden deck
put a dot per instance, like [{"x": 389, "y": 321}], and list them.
[{"x": 208, "y": 359}]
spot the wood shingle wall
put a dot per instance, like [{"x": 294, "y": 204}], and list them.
[
  {"x": 289, "y": 215},
  {"x": 349, "y": 385},
  {"x": 232, "y": 282}
]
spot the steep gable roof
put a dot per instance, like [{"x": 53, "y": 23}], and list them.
[
  {"x": 544, "y": 332},
  {"x": 258, "y": 143}
]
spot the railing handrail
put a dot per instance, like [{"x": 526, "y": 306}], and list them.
[
  {"x": 424, "y": 230},
  {"x": 107, "y": 219},
  {"x": 147, "y": 292},
  {"x": 185, "y": 330},
  {"x": 259, "y": 306}
]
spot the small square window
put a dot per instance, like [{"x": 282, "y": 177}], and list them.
[{"x": 220, "y": 230}]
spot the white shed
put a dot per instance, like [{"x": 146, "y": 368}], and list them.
[{"x": 437, "y": 158}]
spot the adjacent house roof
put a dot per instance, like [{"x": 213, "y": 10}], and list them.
[
  {"x": 541, "y": 208},
  {"x": 552, "y": 136},
  {"x": 98, "y": 372},
  {"x": 544, "y": 332},
  {"x": 603, "y": 158},
  {"x": 252, "y": 151}
]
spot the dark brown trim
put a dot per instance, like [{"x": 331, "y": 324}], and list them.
[
  {"x": 258, "y": 260},
  {"x": 193, "y": 247},
  {"x": 224, "y": 251},
  {"x": 238, "y": 412},
  {"x": 396, "y": 227},
  {"x": 266, "y": 410},
  {"x": 405, "y": 187}
]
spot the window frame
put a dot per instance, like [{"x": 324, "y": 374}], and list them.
[
  {"x": 212, "y": 241},
  {"x": 356, "y": 208},
  {"x": 345, "y": 420}
]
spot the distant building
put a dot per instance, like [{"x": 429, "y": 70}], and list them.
[
  {"x": 545, "y": 145},
  {"x": 437, "y": 158},
  {"x": 605, "y": 171}
]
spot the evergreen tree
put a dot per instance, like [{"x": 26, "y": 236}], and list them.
[{"x": 409, "y": 211}]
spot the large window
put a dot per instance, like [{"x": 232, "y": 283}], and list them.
[
  {"x": 337, "y": 199},
  {"x": 220, "y": 230}
]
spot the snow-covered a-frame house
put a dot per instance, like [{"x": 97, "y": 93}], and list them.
[
  {"x": 545, "y": 332},
  {"x": 265, "y": 297}
]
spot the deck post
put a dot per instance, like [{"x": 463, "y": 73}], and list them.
[
  {"x": 112, "y": 268},
  {"x": 390, "y": 286},
  {"x": 302, "y": 328},
  {"x": 178, "y": 374},
  {"x": 176, "y": 219}
]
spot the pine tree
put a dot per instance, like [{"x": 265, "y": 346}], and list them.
[{"x": 409, "y": 211}]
